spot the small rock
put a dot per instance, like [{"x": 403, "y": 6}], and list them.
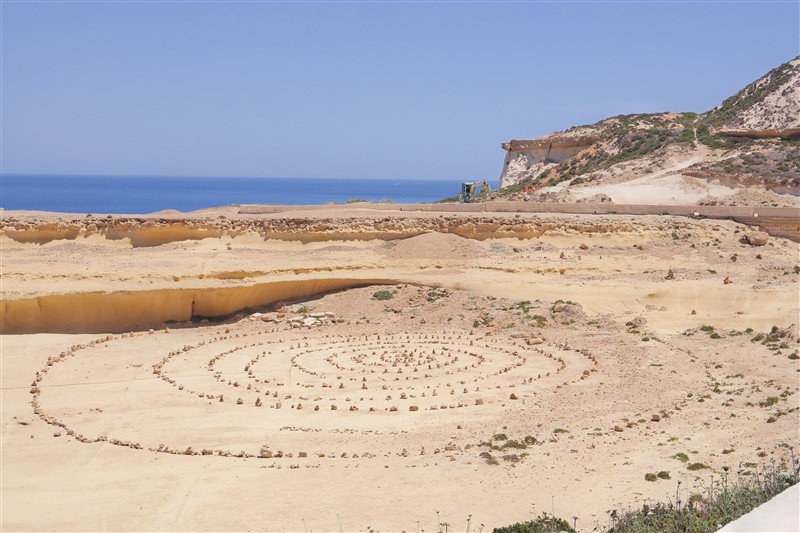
[{"x": 655, "y": 418}]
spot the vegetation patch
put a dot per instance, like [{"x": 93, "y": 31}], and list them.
[
  {"x": 543, "y": 524},
  {"x": 382, "y": 295},
  {"x": 719, "y": 503}
]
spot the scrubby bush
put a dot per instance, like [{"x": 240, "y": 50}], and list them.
[
  {"x": 542, "y": 524},
  {"x": 382, "y": 295}
]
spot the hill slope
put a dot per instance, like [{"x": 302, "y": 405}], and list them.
[{"x": 746, "y": 150}]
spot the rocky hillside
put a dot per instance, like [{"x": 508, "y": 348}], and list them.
[
  {"x": 750, "y": 142},
  {"x": 771, "y": 103}
]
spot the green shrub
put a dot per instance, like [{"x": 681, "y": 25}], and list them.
[
  {"x": 650, "y": 477},
  {"x": 687, "y": 135},
  {"x": 769, "y": 402},
  {"x": 382, "y": 295},
  {"x": 543, "y": 524}
]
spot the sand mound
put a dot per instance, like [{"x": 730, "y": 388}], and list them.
[
  {"x": 436, "y": 245},
  {"x": 166, "y": 212}
]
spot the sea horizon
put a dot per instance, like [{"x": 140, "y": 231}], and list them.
[{"x": 132, "y": 194}]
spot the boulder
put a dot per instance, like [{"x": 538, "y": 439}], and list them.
[{"x": 757, "y": 239}]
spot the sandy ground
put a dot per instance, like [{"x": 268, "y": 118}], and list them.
[{"x": 499, "y": 378}]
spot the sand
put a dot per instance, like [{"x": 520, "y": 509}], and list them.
[{"x": 590, "y": 336}]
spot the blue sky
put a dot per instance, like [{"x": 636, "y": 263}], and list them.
[{"x": 418, "y": 90}]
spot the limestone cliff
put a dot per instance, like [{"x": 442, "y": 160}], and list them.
[{"x": 526, "y": 159}]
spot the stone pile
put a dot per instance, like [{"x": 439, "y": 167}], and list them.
[{"x": 311, "y": 320}]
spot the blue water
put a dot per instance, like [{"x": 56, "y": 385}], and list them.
[{"x": 137, "y": 195}]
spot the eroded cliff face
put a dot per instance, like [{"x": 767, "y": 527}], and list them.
[
  {"x": 142, "y": 232},
  {"x": 529, "y": 158},
  {"x": 120, "y": 311}
]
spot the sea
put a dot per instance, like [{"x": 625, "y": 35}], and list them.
[{"x": 147, "y": 194}]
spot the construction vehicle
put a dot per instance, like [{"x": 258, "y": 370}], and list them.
[{"x": 469, "y": 190}]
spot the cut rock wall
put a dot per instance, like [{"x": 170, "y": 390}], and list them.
[{"x": 526, "y": 159}]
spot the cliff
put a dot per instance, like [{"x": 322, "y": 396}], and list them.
[{"x": 526, "y": 158}]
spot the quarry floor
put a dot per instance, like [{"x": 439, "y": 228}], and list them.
[{"x": 491, "y": 367}]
